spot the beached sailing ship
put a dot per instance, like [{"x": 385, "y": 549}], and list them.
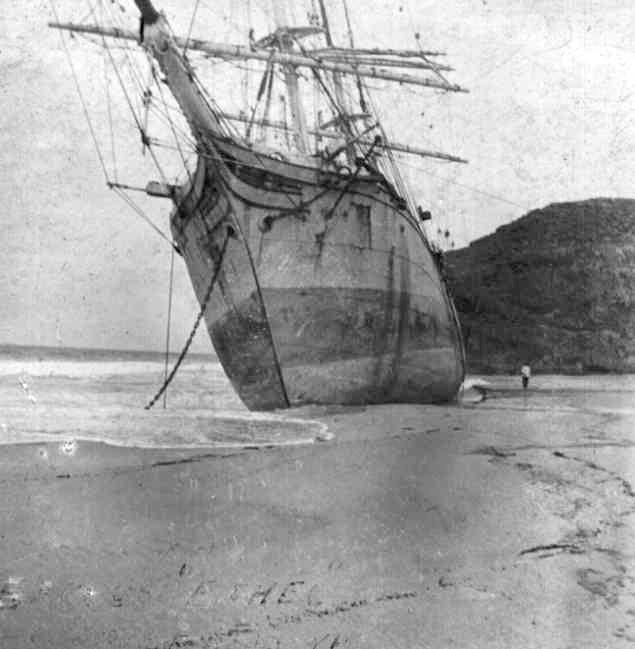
[{"x": 310, "y": 261}]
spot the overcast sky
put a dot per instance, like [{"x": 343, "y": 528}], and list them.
[{"x": 550, "y": 117}]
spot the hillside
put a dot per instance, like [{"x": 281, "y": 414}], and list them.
[{"x": 555, "y": 288}]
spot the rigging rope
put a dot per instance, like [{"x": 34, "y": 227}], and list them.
[
  {"x": 360, "y": 165},
  {"x": 109, "y": 183},
  {"x": 117, "y": 20},
  {"x": 360, "y": 88},
  {"x": 144, "y": 136},
  {"x": 189, "y": 31},
  {"x": 167, "y": 333},
  {"x": 417, "y": 37},
  {"x": 265, "y": 114},
  {"x": 471, "y": 188},
  {"x": 166, "y": 120},
  {"x": 337, "y": 109},
  {"x": 116, "y": 186},
  {"x": 91, "y": 12},
  {"x": 142, "y": 214},
  {"x": 110, "y": 124},
  {"x": 171, "y": 123},
  {"x": 201, "y": 313},
  {"x": 81, "y": 97},
  {"x": 266, "y": 79}
]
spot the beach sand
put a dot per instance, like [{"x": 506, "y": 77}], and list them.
[{"x": 505, "y": 524}]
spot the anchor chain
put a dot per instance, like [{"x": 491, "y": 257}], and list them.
[{"x": 201, "y": 313}]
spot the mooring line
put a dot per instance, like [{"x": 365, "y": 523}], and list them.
[{"x": 201, "y": 313}]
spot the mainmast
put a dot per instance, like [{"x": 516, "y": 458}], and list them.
[
  {"x": 285, "y": 42},
  {"x": 337, "y": 77},
  {"x": 340, "y": 99}
]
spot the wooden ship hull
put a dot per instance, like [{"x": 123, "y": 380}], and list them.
[
  {"x": 338, "y": 300},
  {"x": 316, "y": 280}
]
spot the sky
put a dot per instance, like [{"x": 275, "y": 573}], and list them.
[{"x": 550, "y": 117}]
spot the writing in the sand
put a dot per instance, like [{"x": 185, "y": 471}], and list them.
[{"x": 290, "y": 592}]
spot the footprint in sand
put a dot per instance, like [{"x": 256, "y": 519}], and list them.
[{"x": 11, "y": 593}]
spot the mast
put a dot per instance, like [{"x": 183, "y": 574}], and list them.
[
  {"x": 157, "y": 39},
  {"x": 340, "y": 99},
  {"x": 322, "y": 132},
  {"x": 358, "y": 81},
  {"x": 310, "y": 60},
  {"x": 337, "y": 77},
  {"x": 378, "y": 51},
  {"x": 275, "y": 49},
  {"x": 285, "y": 43},
  {"x": 149, "y": 14}
]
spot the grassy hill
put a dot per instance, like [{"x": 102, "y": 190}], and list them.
[{"x": 555, "y": 288}]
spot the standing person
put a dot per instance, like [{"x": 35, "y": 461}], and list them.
[{"x": 525, "y": 373}]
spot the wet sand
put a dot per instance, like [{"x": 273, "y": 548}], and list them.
[{"x": 503, "y": 524}]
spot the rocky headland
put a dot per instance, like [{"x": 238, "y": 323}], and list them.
[{"x": 555, "y": 288}]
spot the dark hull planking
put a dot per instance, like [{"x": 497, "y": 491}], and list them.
[{"x": 328, "y": 292}]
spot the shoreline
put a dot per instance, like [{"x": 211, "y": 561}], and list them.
[
  {"x": 504, "y": 524},
  {"x": 42, "y": 353},
  {"x": 374, "y": 537}
]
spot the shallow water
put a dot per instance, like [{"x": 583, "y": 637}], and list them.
[
  {"x": 44, "y": 400},
  {"x": 604, "y": 393},
  {"x": 102, "y": 399}
]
